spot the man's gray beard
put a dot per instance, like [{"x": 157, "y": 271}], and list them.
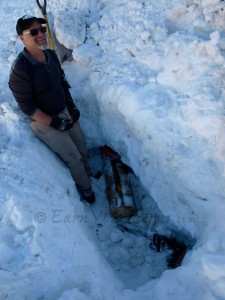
[{"x": 42, "y": 47}]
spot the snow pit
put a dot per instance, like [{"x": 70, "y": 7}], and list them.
[{"x": 131, "y": 245}]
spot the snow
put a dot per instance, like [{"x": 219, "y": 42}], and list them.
[
  {"x": 148, "y": 77},
  {"x": 70, "y": 29}
]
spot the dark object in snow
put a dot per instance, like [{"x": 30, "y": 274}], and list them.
[
  {"x": 178, "y": 249},
  {"x": 118, "y": 188},
  {"x": 137, "y": 230},
  {"x": 174, "y": 249}
]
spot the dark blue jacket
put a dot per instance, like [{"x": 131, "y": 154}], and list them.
[{"x": 39, "y": 85}]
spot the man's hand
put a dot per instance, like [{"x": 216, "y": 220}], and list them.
[
  {"x": 61, "y": 124},
  {"x": 41, "y": 117}
]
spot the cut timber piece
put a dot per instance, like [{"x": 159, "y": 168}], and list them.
[
  {"x": 118, "y": 189},
  {"x": 160, "y": 242}
]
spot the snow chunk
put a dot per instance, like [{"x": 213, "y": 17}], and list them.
[
  {"x": 213, "y": 50},
  {"x": 84, "y": 53},
  {"x": 213, "y": 8},
  {"x": 70, "y": 29},
  {"x": 128, "y": 243},
  {"x": 73, "y": 294},
  {"x": 120, "y": 255},
  {"x": 209, "y": 2},
  {"x": 215, "y": 37},
  {"x": 214, "y": 266},
  {"x": 116, "y": 236},
  {"x": 7, "y": 254}
]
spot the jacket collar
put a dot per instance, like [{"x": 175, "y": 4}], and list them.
[{"x": 32, "y": 60}]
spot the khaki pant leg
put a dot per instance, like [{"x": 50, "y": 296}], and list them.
[
  {"x": 64, "y": 146},
  {"x": 78, "y": 138}
]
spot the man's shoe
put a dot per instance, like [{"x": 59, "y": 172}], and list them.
[
  {"x": 96, "y": 175},
  {"x": 88, "y": 196}
]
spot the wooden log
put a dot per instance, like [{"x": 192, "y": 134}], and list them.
[{"x": 118, "y": 188}]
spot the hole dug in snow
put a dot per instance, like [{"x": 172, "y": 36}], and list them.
[{"x": 135, "y": 238}]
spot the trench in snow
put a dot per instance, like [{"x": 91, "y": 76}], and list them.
[
  {"x": 128, "y": 244},
  {"x": 136, "y": 247}
]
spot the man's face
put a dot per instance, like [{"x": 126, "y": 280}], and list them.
[{"x": 31, "y": 42}]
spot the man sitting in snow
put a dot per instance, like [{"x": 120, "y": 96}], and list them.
[{"x": 39, "y": 86}]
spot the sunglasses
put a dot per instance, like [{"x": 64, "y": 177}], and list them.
[{"x": 35, "y": 31}]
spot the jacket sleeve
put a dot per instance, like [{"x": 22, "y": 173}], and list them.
[{"x": 20, "y": 84}]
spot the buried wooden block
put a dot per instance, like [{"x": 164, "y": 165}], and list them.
[
  {"x": 178, "y": 249},
  {"x": 118, "y": 188},
  {"x": 174, "y": 249}
]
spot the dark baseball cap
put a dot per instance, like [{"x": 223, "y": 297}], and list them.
[{"x": 25, "y": 22}]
